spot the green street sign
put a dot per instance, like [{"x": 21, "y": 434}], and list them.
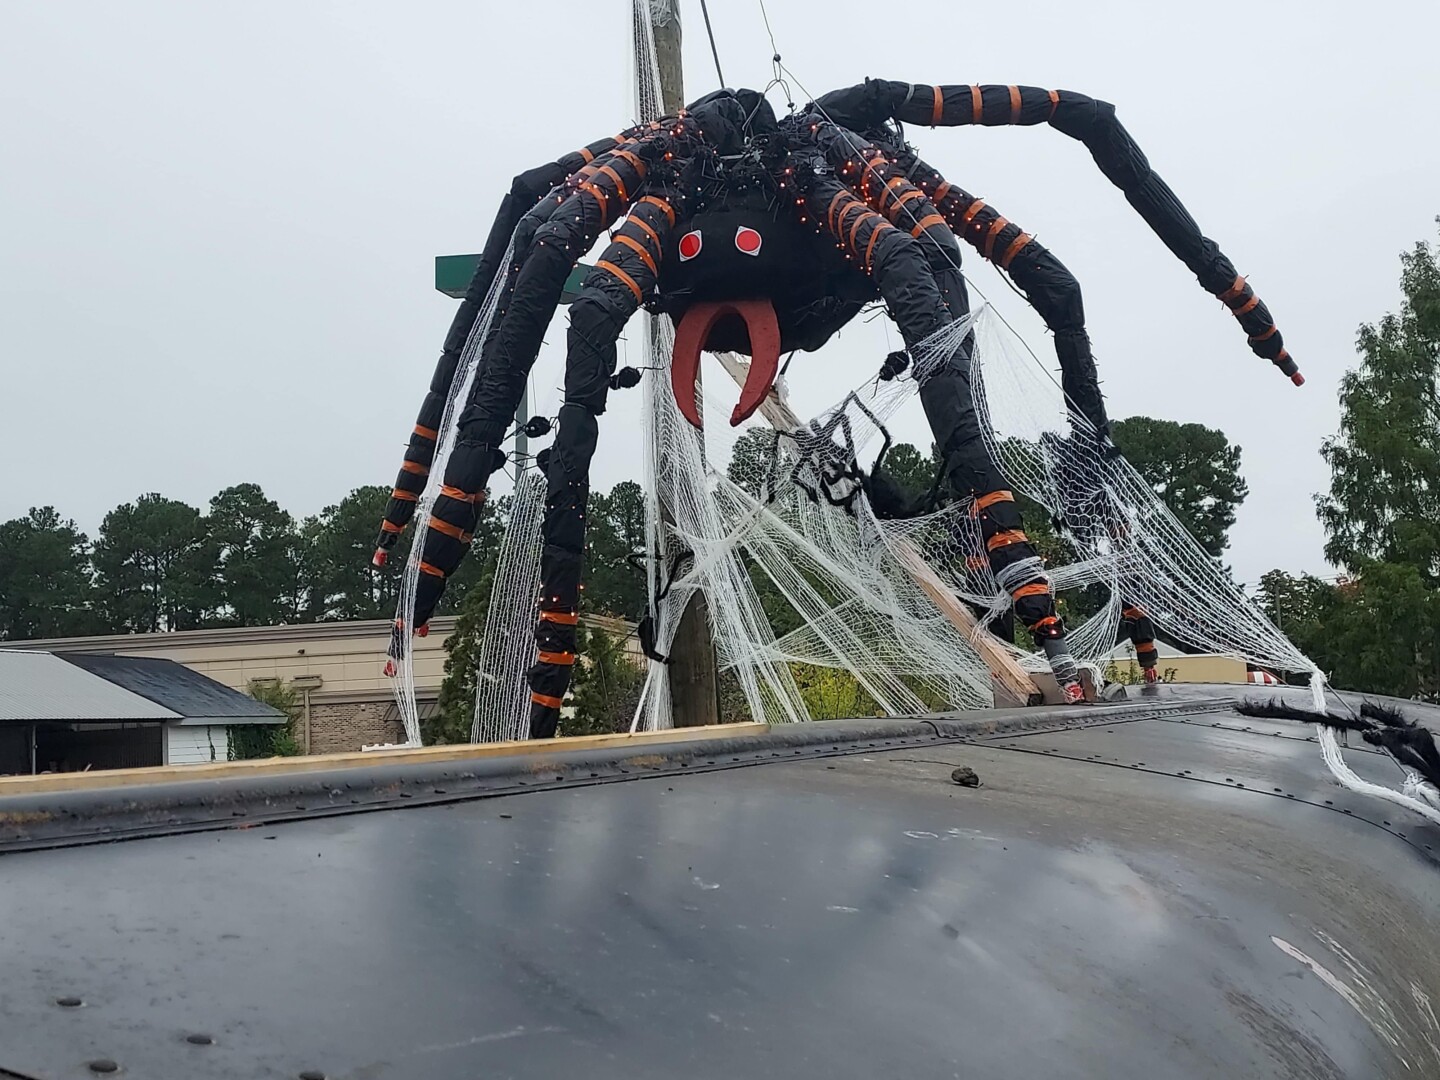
[{"x": 453, "y": 274}]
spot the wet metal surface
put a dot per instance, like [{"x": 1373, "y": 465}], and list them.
[{"x": 859, "y": 916}]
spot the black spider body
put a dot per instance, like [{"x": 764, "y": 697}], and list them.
[{"x": 761, "y": 235}]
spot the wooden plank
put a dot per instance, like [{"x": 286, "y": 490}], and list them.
[
  {"x": 1004, "y": 668},
  {"x": 774, "y": 408},
  {"x": 257, "y": 767}
]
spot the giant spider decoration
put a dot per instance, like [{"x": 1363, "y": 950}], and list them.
[{"x": 762, "y": 235}]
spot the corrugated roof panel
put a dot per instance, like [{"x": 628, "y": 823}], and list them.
[
  {"x": 38, "y": 686},
  {"x": 175, "y": 686}
]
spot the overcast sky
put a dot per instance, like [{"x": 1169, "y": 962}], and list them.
[{"x": 218, "y": 220}]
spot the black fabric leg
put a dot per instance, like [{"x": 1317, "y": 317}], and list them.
[{"x": 623, "y": 275}]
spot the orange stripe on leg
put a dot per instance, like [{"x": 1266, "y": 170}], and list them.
[
  {"x": 619, "y": 184},
  {"x": 547, "y": 701},
  {"x": 879, "y": 226},
  {"x": 599, "y": 196},
  {"x": 669, "y": 210},
  {"x": 645, "y": 225},
  {"x": 1005, "y": 538},
  {"x": 636, "y": 163},
  {"x": 894, "y": 211},
  {"x": 639, "y": 249},
  {"x": 453, "y": 531},
  {"x": 994, "y": 497},
  {"x": 1000, "y": 223},
  {"x": 925, "y": 223},
  {"x": 1014, "y": 249},
  {"x": 615, "y": 271}
]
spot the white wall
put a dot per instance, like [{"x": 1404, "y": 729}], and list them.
[{"x": 192, "y": 745}]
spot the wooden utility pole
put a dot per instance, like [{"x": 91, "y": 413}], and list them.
[{"x": 694, "y": 680}]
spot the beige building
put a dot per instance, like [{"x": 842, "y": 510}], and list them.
[
  {"x": 1121, "y": 666},
  {"x": 337, "y": 667}
]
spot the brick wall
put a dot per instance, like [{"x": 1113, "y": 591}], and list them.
[{"x": 341, "y": 727}]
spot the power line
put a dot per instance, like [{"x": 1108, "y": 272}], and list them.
[{"x": 705, "y": 10}]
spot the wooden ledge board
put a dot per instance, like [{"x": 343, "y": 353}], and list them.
[{"x": 282, "y": 766}]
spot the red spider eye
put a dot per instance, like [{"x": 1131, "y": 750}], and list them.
[
  {"x": 747, "y": 240},
  {"x": 689, "y": 245}
]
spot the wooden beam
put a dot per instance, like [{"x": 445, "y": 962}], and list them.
[
  {"x": 1005, "y": 670},
  {"x": 400, "y": 755},
  {"x": 694, "y": 673}
]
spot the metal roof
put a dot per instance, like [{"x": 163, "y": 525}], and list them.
[
  {"x": 37, "y": 686},
  {"x": 195, "y": 697},
  {"x": 1158, "y": 888}
]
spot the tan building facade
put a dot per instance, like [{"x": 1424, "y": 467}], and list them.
[{"x": 337, "y": 668}]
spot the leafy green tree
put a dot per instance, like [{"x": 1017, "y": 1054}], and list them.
[
  {"x": 1384, "y": 500},
  {"x": 1379, "y": 630},
  {"x": 912, "y": 470},
  {"x": 605, "y": 688},
  {"x": 344, "y": 537},
  {"x": 155, "y": 568},
  {"x": 750, "y": 459},
  {"x": 302, "y": 597},
  {"x": 256, "y": 542},
  {"x": 1380, "y": 633},
  {"x": 44, "y": 577},
  {"x": 615, "y": 544},
  {"x": 832, "y": 693},
  {"x": 1194, "y": 469},
  {"x": 341, "y": 543},
  {"x": 268, "y": 740},
  {"x": 456, "y": 707}
]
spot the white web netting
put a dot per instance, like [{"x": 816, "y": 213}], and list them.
[
  {"x": 792, "y": 521},
  {"x": 404, "y": 687},
  {"x": 508, "y": 647},
  {"x": 1123, "y": 535},
  {"x": 784, "y": 538}
]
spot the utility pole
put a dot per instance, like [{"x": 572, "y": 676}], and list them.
[{"x": 694, "y": 681}]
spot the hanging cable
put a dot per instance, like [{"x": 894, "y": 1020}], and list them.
[
  {"x": 705, "y": 10},
  {"x": 778, "y": 68},
  {"x": 908, "y": 212}
]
